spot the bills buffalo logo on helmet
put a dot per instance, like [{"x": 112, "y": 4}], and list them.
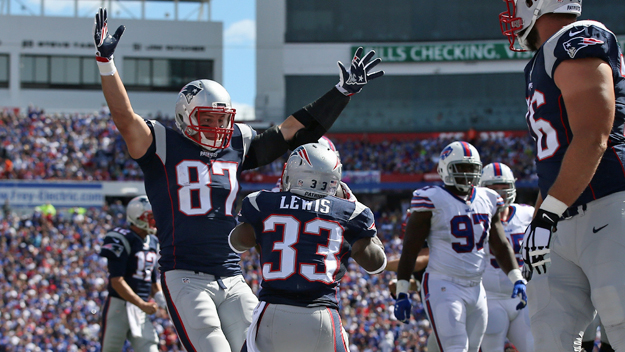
[
  {"x": 574, "y": 45},
  {"x": 446, "y": 152},
  {"x": 191, "y": 90}
]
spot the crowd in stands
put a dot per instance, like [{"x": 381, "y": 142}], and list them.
[
  {"x": 53, "y": 285},
  {"x": 76, "y": 146}
]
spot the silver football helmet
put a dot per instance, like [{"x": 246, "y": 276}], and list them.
[
  {"x": 200, "y": 98},
  {"x": 500, "y": 174},
  {"x": 326, "y": 142},
  {"x": 312, "y": 171},
  {"x": 139, "y": 213},
  {"x": 519, "y": 19},
  {"x": 459, "y": 165}
]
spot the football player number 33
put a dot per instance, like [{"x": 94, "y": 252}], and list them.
[
  {"x": 330, "y": 235},
  {"x": 194, "y": 193}
]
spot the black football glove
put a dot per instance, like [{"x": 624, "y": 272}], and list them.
[
  {"x": 105, "y": 44},
  {"x": 536, "y": 242},
  {"x": 353, "y": 79}
]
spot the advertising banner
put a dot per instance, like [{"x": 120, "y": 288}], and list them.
[
  {"x": 59, "y": 194},
  {"x": 446, "y": 52}
]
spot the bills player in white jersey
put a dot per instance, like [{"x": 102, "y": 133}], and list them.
[
  {"x": 457, "y": 220},
  {"x": 504, "y": 320}
]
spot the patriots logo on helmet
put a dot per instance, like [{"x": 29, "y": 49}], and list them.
[
  {"x": 446, "y": 152},
  {"x": 574, "y": 45},
  {"x": 191, "y": 90}
]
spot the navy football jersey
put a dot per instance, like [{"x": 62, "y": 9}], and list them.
[
  {"x": 305, "y": 244},
  {"x": 133, "y": 258},
  {"x": 193, "y": 193},
  {"x": 547, "y": 117}
]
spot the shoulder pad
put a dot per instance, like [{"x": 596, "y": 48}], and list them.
[
  {"x": 252, "y": 199},
  {"x": 570, "y": 39},
  {"x": 358, "y": 209},
  {"x": 118, "y": 238}
]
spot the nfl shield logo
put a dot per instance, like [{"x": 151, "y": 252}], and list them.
[
  {"x": 185, "y": 280},
  {"x": 300, "y": 183}
]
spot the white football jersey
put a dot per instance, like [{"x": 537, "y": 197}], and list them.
[
  {"x": 495, "y": 281},
  {"x": 459, "y": 229}
]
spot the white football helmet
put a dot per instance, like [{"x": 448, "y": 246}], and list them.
[
  {"x": 500, "y": 174},
  {"x": 139, "y": 213},
  {"x": 519, "y": 19},
  {"x": 325, "y": 141},
  {"x": 312, "y": 171},
  {"x": 460, "y": 166},
  {"x": 205, "y": 96}
]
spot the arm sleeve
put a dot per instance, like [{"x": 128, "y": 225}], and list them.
[{"x": 265, "y": 148}]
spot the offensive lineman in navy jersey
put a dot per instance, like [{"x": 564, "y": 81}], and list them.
[
  {"x": 192, "y": 179},
  {"x": 575, "y": 90},
  {"x": 306, "y": 236},
  {"x": 132, "y": 254}
]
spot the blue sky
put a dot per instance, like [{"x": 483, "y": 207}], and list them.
[{"x": 238, "y": 17}]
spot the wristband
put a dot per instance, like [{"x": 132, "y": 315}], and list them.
[
  {"x": 159, "y": 297},
  {"x": 107, "y": 68},
  {"x": 553, "y": 205},
  {"x": 515, "y": 275},
  {"x": 402, "y": 287}
]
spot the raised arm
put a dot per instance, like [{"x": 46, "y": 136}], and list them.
[
  {"x": 131, "y": 126},
  {"x": 311, "y": 122}
]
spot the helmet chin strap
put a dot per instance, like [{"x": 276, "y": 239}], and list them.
[
  {"x": 206, "y": 141},
  {"x": 523, "y": 38}
]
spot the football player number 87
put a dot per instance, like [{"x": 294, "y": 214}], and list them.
[
  {"x": 291, "y": 228},
  {"x": 546, "y": 136},
  {"x": 194, "y": 193}
]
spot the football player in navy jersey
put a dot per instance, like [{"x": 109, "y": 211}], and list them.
[
  {"x": 306, "y": 236},
  {"x": 192, "y": 179},
  {"x": 131, "y": 259},
  {"x": 573, "y": 248}
]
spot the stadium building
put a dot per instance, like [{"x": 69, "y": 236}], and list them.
[
  {"x": 448, "y": 67},
  {"x": 48, "y": 61}
]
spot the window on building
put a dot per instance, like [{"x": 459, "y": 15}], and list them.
[
  {"x": 77, "y": 72},
  {"x": 362, "y": 21},
  {"x": 4, "y": 70},
  {"x": 424, "y": 103},
  {"x": 164, "y": 74},
  {"x": 65, "y": 72}
]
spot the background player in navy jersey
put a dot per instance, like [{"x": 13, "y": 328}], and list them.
[
  {"x": 192, "y": 179},
  {"x": 306, "y": 236},
  {"x": 458, "y": 220},
  {"x": 575, "y": 90},
  {"x": 504, "y": 320},
  {"x": 131, "y": 259}
]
